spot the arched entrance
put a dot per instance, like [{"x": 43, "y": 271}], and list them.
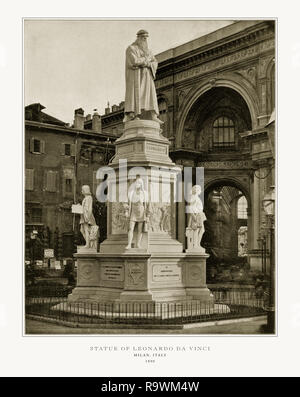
[{"x": 226, "y": 205}]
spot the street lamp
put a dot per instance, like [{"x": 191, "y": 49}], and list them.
[
  {"x": 262, "y": 245},
  {"x": 33, "y": 236},
  {"x": 269, "y": 208}
]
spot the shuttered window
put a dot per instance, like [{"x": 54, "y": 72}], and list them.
[
  {"x": 68, "y": 182},
  {"x": 36, "y": 146},
  {"x": 69, "y": 185},
  {"x": 68, "y": 149},
  {"x": 51, "y": 181},
  {"x": 29, "y": 179},
  {"x": 36, "y": 215}
]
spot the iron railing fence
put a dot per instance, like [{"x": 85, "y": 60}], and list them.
[
  {"x": 221, "y": 294},
  {"x": 143, "y": 313}
]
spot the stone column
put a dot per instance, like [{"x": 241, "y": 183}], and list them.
[{"x": 255, "y": 210}]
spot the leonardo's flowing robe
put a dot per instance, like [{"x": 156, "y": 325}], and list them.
[{"x": 140, "y": 89}]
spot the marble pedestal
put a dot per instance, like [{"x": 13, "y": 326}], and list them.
[
  {"x": 158, "y": 271},
  {"x": 138, "y": 276}
]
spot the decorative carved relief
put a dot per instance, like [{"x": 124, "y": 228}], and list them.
[
  {"x": 160, "y": 217},
  {"x": 249, "y": 74},
  {"x": 154, "y": 147},
  {"x": 243, "y": 54},
  {"x": 186, "y": 163},
  {"x": 212, "y": 83},
  {"x": 263, "y": 96},
  {"x": 86, "y": 272},
  {"x": 195, "y": 272},
  {"x": 226, "y": 164},
  {"x": 180, "y": 97},
  {"x": 136, "y": 274},
  {"x": 119, "y": 220},
  {"x": 263, "y": 64},
  {"x": 125, "y": 149},
  {"x": 188, "y": 138},
  {"x": 203, "y": 140}
]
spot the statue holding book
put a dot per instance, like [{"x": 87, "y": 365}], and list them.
[{"x": 88, "y": 227}]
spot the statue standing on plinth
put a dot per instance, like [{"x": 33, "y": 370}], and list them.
[
  {"x": 88, "y": 226},
  {"x": 196, "y": 218},
  {"x": 141, "y": 65},
  {"x": 137, "y": 212}
]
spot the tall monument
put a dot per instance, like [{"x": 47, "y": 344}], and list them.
[{"x": 141, "y": 259}]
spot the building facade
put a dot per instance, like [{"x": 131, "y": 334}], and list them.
[{"x": 59, "y": 159}]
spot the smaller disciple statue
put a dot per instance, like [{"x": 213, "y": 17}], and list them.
[
  {"x": 137, "y": 212},
  {"x": 88, "y": 226},
  {"x": 196, "y": 218}
]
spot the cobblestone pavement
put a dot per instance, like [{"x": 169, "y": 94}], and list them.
[{"x": 34, "y": 327}]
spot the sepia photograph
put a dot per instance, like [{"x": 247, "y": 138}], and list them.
[{"x": 149, "y": 185}]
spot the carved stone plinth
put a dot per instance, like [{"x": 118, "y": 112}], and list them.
[
  {"x": 138, "y": 276},
  {"x": 195, "y": 276},
  {"x": 159, "y": 270}
]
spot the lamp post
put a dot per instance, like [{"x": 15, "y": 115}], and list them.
[
  {"x": 33, "y": 236},
  {"x": 269, "y": 208},
  {"x": 262, "y": 244}
]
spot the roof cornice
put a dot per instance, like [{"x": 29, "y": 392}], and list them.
[
  {"x": 226, "y": 45},
  {"x": 68, "y": 130}
]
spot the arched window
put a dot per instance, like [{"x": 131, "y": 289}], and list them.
[
  {"x": 242, "y": 208},
  {"x": 223, "y": 132},
  {"x": 162, "y": 107}
]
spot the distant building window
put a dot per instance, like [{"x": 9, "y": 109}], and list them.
[
  {"x": 68, "y": 149},
  {"x": 223, "y": 132},
  {"x": 36, "y": 215},
  {"x": 36, "y": 146},
  {"x": 51, "y": 181},
  {"x": 67, "y": 181},
  {"x": 69, "y": 185},
  {"x": 242, "y": 208},
  {"x": 29, "y": 179}
]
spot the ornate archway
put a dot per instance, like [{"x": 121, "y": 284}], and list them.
[
  {"x": 223, "y": 225},
  {"x": 229, "y": 181},
  {"x": 232, "y": 81}
]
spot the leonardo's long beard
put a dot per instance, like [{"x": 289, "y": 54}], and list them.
[{"x": 143, "y": 45}]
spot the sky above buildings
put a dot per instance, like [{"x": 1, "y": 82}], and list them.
[{"x": 74, "y": 63}]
